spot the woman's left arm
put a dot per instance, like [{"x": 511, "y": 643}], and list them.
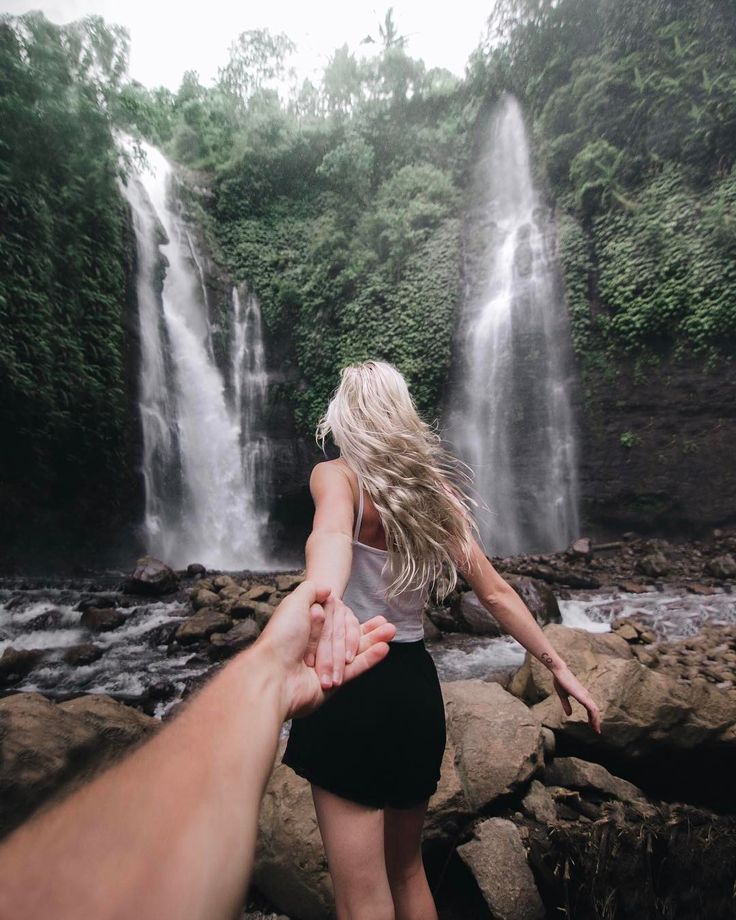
[{"x": 329, "y": 557}]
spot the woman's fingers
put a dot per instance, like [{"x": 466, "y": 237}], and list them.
[
  {"x": 323, "y": 656},
  {"x": 338, "y": 643},
  {"x": 316, "y": 622},
  {"x": 352, "y": 635}
]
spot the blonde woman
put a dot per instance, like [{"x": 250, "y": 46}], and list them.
[{"x": 389, "y": 525}]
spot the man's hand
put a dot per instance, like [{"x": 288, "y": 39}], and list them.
[{"x": 292, "y": 637}]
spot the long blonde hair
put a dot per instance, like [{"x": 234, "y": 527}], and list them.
[{"x": 406, "y": 471}]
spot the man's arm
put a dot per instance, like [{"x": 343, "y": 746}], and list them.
[{"x": 169, "y": 831}]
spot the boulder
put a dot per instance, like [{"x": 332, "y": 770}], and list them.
[
  {"x": 16, "y": 663},
  {"x": 539, "y": 804},
  {"x": 722, "y": 566},
  {"x": 497, "y": 739},
  {"x": 201, "y": 625},
  {"x": 102, "y": 619},
  {"x": 259, "y": 592},
  {"x": 642, "y": 710},
  {"x": 224, "y": 644},
  {"x": 288, "y": 582},
  {"x": 290, "y": 866},
  {"x": 46, "y": 746},
  {"x": 575, "y": 773},
  {"x": 474, "y": 617},
  {"x": 84, "y": 653},
  {"x": 538, "y": 597},
  {"x": 151, "y": 577},
  {"x": 497, "y": 858},
  {"x": 201, "y": 597}
]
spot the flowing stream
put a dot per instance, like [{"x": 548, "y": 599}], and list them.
[{"x": 509, "y": 415}]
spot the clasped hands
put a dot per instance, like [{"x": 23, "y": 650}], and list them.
[{"x": 316, "y": 643}]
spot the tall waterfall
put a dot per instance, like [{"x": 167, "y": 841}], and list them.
[
  {"x": 199, "y": 457},
  {"x": 509, "y": 416}
]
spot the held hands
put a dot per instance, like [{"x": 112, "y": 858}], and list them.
[
  {"x": 310, "y": 624},
  {"x": 566, "y": 684}
]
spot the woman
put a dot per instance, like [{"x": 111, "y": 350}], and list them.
[{"x": 388, "y": 527}]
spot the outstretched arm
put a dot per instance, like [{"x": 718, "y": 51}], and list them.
[
  {"x": 500, "y": 599},
  {"x": 170, "y": 830}
]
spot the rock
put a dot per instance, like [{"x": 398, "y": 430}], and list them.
[
  {"x": 539, "y": 804},
  {"x": 642, "y": 709},
  {"x": 262, "y": 614},
  {"x": 44, "y": 746},
  {"x": 579, "y": 649},
  {"x": 240, "y": 607},
  {"x": 627, "y": 631},
  {"x": 201, "y": 597},
  {"x": 575, "y": 773},
  {"x": 549, "y": 742},
  {"x": 538, "y": 597},
  {"x": 102, "y": 619},
  {"x": 701, "y": 589},
  {"x": 49, "y": 619},
  {"x": 231, "y": 592},
  {"x": 431, "y": 632},
  {"x": 195, "y": 568},
  {"x": 654, "y": 564},
  {"x": 290, "y": 867},
  {"x": 632, "y": 587},
  {"x": 498, "y": 861},
  {"x": 722, "y": 566},
  {"x": 288, "y": 582},
  {"x": 497, "y": 739},
  {"x": 259, "y": 592},
  {"x": 223, "y": 581},
  {"x": 151, "y": 577},
  {"x": 16, "y": 663},
  {"x": 84, "y": 653},
  {"x": 224, "y": 644},
  {"x": 201, "y": 625},
  {"x": 582, "y": 547},
  {"x": 443, "y": 618},
  {"x": 474, "y": 617}
]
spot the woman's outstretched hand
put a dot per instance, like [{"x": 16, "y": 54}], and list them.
[
  {"x": 566, "y": 685},
  {"x": 338, "y": 644},
  {"x": 293, "y": 635}
]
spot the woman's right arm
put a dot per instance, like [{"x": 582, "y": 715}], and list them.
[{"x": 515, "y": 618}]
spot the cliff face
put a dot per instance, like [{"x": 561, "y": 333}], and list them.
[{"x": 657, "y": 447}]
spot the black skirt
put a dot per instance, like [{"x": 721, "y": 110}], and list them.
[{"x": 379, "y": 739}]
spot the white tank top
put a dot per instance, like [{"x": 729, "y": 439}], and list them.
[{"x": 368, "y": 580}]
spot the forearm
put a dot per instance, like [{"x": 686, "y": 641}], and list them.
[
  {"x": 98, "y": 853},
  {"x": 518, "y": 621},
  {"x": 329, "y": 557}
]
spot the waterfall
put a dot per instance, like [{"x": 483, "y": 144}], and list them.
[
  {"x": 201, "y": 481},
  {"x": 509, "y": 416}
]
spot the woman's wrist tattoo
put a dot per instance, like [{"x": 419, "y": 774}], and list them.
[{"x": 546, "y": 660}]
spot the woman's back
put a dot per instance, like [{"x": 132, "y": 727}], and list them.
[{"x": 369, "y": 577}]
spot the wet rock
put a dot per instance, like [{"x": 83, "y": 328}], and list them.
[
  {"x": 701, "y": 589},
  {"x": 195, "y": 568},
  {"x": 431, "y": 632},
  {"x": 224, "y": 644},
  {"x": 262, "y": 614},
  {"x": 84, "y": 653},
  {"x": 497, "y": 858},
  {"x": 538, "y": 597},
  {"x": 151, "y": 577},
  {"x": 16, "y": 663},
  {"x": 201, "y": 597},
  {"x": 633, "y": 587},
  {"x": 223, "y": 581},
  {"x": 582, "y": 547},
  {"x": 201, "y": 625},
  {"x": 474, "y": 617},
  {"x": 102, "y": 620},
  {"x": 49, "y": 619}
]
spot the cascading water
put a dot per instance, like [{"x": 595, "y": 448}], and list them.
[
  {"x": 509, "y": 416},
  {"x": 200, "y": 477}
]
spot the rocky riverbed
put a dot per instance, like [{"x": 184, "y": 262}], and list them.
[{"x": 597, "y": 826}]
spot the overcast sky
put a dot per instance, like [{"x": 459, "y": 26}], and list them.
[{"x": 167, "y": 38}]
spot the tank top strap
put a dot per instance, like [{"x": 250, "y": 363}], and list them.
[{"x": 359, "y": 518}]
